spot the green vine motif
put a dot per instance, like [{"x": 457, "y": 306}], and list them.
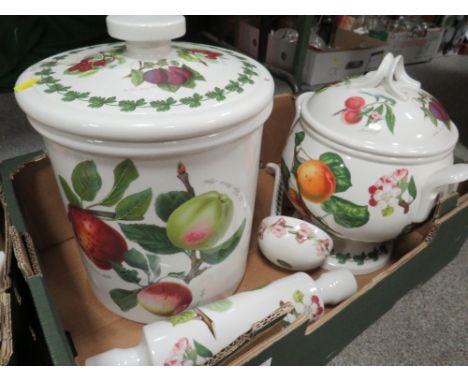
[
  {"x": 344, "y": 258},
  {"x": 245, "y": 77}
]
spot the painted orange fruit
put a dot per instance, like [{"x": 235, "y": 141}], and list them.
[{"x": 316, "y": 181}]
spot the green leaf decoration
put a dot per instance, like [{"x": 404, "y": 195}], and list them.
[
  {"x": 124, "y": 174},
  {"x": 73, "y": 95},
  {"x": 217, "y": 94},
  {"x": 447, "y": 124},
  {"x": 86, "y": 180},
  {"x": 189, "y": 84},
  {"x": 154, "y": 264},
  {"x": 201, "y": 350},
  {"x": 56, "y": 88},
  {"x": 169, "y": 87},
  {"x": 285, "y": 174},
  {"x": 195, "y": 75},
  {"x": 125, "y": 299},
  {"x": 44, "y": 72},
  {"x": 299, "y": 138},
  {"x": 380, "y": 109},
  {"x": 389, "y": 118},
  {"x": 284, "y": 264},
  {"x": 219, "y": 253},
  {"x": 336, "y": 165},
  {"x": 88, "y": 73},
  {"x": 298, "y": 296},
  {"x": 134, "y": 207},
  {"x": 182, "y": 318},
  {"x": 176, "y": 275},
  {"x": 163, "y": 105},
  {"x": 127, "y": 105},
  {"x": 149, "y": 65},
  {"x": 244, "y": 79},
  {"x": 136, "y": 259},
  {"x": 48, "y": 64},
  {"x": 219, "y": 306},
  {"x": 234, "y": 86},
  {"x": 167, "y": 202},
  {"x": 129, "y": 275},
  {"x": 150, "y": 237},
  {"x": 346, "y": 213},
  {"x": 193, "y": 101},
  {"x": 69, "y": 194},
  {"x": 186, "y": 55},
  {"x": 412, "y": 188},
  {"x": 387, "y": 211},
  {"x": 162, "y": 62},
  {"x": 97, "y": 102},
  {"x": 48, "y": 80}
]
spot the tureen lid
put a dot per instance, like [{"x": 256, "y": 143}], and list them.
[
  {"x": 384, "y": 112},
  {"x": 146, "y": 88}
]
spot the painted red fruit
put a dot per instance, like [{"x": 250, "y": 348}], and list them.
[
  {"x": 155, "y": 76},
  {"x": 352, "y": 116},
  {"x": 438, "y": 110},
  {"x": 165, "y": 298},
  {"x": 178, "y": 76},
  {"x": 355, "y": 103},
  {"x": 99, "y": 241}
]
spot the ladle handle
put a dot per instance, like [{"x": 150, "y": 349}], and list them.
[{"x": 277, "y": 197}]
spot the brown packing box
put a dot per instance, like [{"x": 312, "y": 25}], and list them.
[{"x": 61, "y": 299}]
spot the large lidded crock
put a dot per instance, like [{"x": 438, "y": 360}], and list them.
[
  {"x": 366, "y": 158},
  {"x": 155, "y": 146}
]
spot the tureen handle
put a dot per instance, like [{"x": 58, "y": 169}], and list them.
[
  {"x": 146, "y": 37},
  {"x": 392, "y": 74},
  {"x": 299, "y": 101},
  {"x": 454, "y": 174}
]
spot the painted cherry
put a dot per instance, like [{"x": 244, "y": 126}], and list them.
[
  {"x": 165, "y": 298},
  {"x": 352, "y": 116},
  {"x": 355, "y": 103},
  {"x": 316, "y": 181},
  {"x": 100, "y": 242}
]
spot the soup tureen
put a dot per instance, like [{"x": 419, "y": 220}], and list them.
[
  {"x": 367, "y": 157},
  {"x": 155, "y": 146}
]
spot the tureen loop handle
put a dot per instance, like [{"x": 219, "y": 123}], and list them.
[
  {"x": 396, "y": 80},
  {"x": 146, "y": 37},
  {"x": 392, "y": 74},
  {"x": 374, "y": 78}
]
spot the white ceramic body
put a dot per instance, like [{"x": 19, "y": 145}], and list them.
[
  {"x": 167, "y": 344},
  {"x": 366, "y": 169},
  {"x": 226, "y": 163},
  {"x": 292, "y": 243}
]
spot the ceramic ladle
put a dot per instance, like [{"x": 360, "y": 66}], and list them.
[{"x": 288, "y": 242}]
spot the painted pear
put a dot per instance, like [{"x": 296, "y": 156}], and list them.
[
  {"x": 200, "y": 222},
  {"x": 99, "y": 241},
  {"x": 165, "y": 298}
]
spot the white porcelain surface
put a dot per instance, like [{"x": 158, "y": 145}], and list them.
[
  {"x": 194, "y": 336},
  {"x": 160, "y": 192},
  {"x": 293, "y": 243}
]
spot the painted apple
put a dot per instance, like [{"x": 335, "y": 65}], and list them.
[{"x": 165, "y": 298}]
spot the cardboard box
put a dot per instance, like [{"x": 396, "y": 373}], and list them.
[
  {"x": 353, "y": 55},
  {"x": 55, "y": 318},
  {"x": 413, "y": 49}
]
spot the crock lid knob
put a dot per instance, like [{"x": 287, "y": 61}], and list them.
[{"x": 146, "y": 37}]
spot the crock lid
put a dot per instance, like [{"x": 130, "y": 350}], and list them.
[
  {"x": 146, "y": 89},
  {"x": 384, "y": 112}
]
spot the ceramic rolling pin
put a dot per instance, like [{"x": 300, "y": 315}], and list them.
[{"x": 194, "y": 336}]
